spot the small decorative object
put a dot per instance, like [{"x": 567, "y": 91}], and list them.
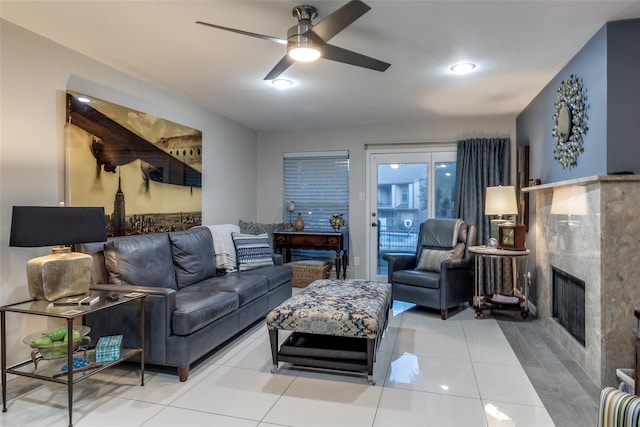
[
  {"x": 55, "y": 343},
  {"x": 109, "y": 348},
  {"x": 291, "y": 208},
  {"x": 299, "y": 224},
  {"x": 569, "y": 122},
  {"x": 511, "y": 236},
  {"x": 336, "y": 221},
  {"x": 493, "y": 243}
]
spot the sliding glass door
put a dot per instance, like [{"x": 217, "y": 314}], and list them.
[{"x": 405, "y": 189}]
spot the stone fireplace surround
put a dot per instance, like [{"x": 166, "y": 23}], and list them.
[{"x": 603, "y": 249}]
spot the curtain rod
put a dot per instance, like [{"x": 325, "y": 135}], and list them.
[{"x": 410, "y": 144}]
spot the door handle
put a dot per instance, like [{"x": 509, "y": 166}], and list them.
[{"x": 374, "y": 224}]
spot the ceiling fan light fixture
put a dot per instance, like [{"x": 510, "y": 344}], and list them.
[{"x": 304, "y": 53}]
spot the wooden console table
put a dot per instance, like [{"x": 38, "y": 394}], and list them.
[{"x": 285, "y": 241}]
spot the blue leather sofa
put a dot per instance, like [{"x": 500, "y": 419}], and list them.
[{"x": 190, "y": 309}]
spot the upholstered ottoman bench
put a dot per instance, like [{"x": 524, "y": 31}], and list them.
[{"x": 336, "y": 324}]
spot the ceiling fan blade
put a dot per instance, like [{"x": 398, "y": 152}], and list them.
[
  {"x": 339, "y": 54},
  {"x": 284, "y": 63},
  {"x": 246, "y": 33},
  {"x": 339, "y": 20}
]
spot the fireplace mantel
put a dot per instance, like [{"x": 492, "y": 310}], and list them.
[
  {"x": 599, "y": 247},
  {"x": 583, "y": 181}
]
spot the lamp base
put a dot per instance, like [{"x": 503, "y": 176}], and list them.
[{"x": 61, "y": 274}]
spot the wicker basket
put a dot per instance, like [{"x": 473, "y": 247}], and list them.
[{"x": 306, "y": 271}]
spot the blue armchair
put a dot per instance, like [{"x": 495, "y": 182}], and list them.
[{"x": 440, "y": 273}]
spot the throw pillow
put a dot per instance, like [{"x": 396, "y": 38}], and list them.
[
  {"x": 430, "y": 259},
  {"x": 260, "y": 228},
  {"x": 252, "y": 251}
]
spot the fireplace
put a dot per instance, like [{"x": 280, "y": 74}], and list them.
[
  {"x": 568, "y": 302},
  {"x": 600, "y": 248}
]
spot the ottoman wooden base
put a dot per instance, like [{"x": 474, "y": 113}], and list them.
[
  {"x": 326, "y": 351},
  {"x": 336, "y": 324}
]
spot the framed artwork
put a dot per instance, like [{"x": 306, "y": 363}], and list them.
[
  {"x": 145, "y": 171},
  {"x": 523, "y": 180}
]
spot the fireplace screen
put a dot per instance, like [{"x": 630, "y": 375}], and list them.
[{"x": 569, "y": 303}]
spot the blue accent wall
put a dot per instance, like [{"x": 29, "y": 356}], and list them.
[
  {"x": 609, "y": 66},
  {"x": 623, "y": 101}
]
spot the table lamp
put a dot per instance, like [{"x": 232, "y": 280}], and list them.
[
  {"x": 62, "y": 273},
  {"x": 290, "y": 209},
  {"x": 500, "y": 200}
]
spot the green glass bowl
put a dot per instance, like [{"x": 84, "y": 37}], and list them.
[{"x": 57, "y": 348}]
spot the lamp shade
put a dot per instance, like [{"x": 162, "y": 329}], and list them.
[
  {"x": 62, "y": 273},
  {"x": 35, "y": 226},
  {"x": 501, "y": 200}
]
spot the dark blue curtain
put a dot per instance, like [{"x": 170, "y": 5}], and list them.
[{"x": 481, "y": 163}]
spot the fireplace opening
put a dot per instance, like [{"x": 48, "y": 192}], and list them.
[{"x": 569, "y": 303}]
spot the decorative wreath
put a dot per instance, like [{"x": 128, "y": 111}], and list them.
[{"x": 572, "y": 95}]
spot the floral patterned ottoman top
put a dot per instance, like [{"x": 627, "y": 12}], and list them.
[{"x": 347, "y": 308}]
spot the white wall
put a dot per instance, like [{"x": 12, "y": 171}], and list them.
[
  {"x": 34, "y": 75},
  {"x": 272, "y": 145}
]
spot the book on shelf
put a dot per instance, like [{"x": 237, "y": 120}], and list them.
[{"x": 79, "y": 300}]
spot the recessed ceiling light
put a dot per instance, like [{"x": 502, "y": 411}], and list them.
[
  {"x": 463, "y": 67},
  {"x": 83, "y": 99},
  {"x": 282, "y": 83}
]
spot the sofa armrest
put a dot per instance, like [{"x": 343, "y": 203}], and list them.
[
  {"x": 159, "y": 306},
  {"x": 456, "y": 281},
  {"x": 130, "y": 288}
]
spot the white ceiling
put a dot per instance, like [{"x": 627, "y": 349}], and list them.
[{"x": 519, "y": 46}]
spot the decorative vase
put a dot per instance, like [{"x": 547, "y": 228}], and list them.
[
  {"x": 299, "y": 224},
  {"x": 336, "y": 227}
]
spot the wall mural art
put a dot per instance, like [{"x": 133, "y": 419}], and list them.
[{"x": 145, "y": 171}]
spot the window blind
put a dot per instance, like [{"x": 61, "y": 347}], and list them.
[{"x": 318, "y": 183}]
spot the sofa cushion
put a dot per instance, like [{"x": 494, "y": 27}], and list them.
[
  {"x": 196, "y": 309},
  {"x": 430, "y": 259},
  {"x": 143, "y": 260},
  {"x": 275, "y": 275},
  {"x": 248, "y": 287},
  {"x": 192, "y": 255},
  {"x": 252, "y": 251}
]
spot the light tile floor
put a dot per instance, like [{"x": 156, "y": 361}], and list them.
[{"x": 429, "y": 372}]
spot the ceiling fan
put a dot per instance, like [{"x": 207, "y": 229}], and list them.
[{"x": 307, "y": 42}]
